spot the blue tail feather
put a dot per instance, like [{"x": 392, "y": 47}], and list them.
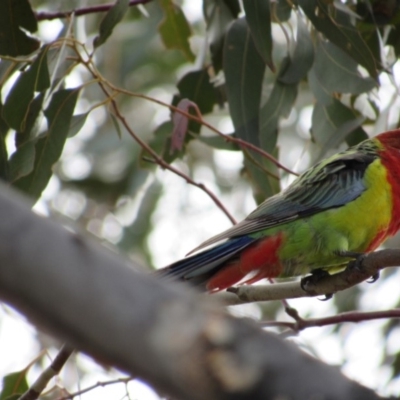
[{"x": 198, "y": 268}]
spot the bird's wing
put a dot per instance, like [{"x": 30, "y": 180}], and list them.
[{"x": 331, "y": 183}]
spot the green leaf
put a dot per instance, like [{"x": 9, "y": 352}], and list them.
[
  {"x": 218, "y": 142},
  {"x": 14, "y": 383},
  {"x": 218, "y": 14},
  {"x": 244, "y": 70},
  {"x": 115, "y": 122},
  {"x": 281, "y": 10},
  {"x": 318, "y": 89},
  {"x": 22, "y": 161},
  {"x": 110, "y": 20},
  {"x": 49, "y": 147},
  {"x": 161, "y": 144},
  {"x": 258, "y": 16},
  {"x": 279, "y": 104},
  {"x": 15, "y": 15},
  {"x": 18, "y": 101},
  {"x": 174, "y": 29},
  {"x": 7, "y": 68},
  {"x": 196, "y": 87},
  {"x": 394, "y": 39},
  {"x": 395, "y": 364},
  {"x": 337, "y": 27},
  {"x": 4, "y": 165},
  {"x": 302, "y": 59},
  {"x": 340, "y": 134},
  {"x": 263, "y": 185},
  {"x": 337, "y": 72},
  {"x": 77, "y": 123},
  {"x": 333, "y": 124},
  {"x": 35, "y": 107}
]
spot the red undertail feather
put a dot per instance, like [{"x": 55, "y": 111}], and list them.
[{"x": 259, "y": 260}]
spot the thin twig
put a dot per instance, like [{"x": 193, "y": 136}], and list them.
[
  {"x": 163, "y": 164},
  {"x": 159, "y": 160},
  {"x": 41, "y": 16},
  {"x": 242, "y": 143},
  {"x": 228, "y": 138},
  {"x": 50, "y": 372},
  {"x": 352, "y": 316},
  {"x": 95, "y": 386}
]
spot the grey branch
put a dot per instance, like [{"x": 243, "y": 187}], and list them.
[
  {"x": 329, "y": 284},
  {"x": 183, "y": 344}
]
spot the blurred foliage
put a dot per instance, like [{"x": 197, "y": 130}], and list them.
[{"x": 88, "y": 102}]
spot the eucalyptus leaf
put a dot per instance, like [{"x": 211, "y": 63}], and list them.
[
  {"x": 282, "y": 10},
  {"x": 196, "y": 87},
  {"x": 15, "y": 18},
  {"x": 24, "y": 135},
  {"x": 218, "y": 14},
  {"x": 303, "y": 56},
  {"x": 337, "y": 72},
  {"x": 4, "y": 164},
  {"x": 22, "y": 161},
  {"x": 174, "y": 29},
  {"x": 48, "y": 148},
  {"x": 279, "y": 104},
  {"x": 340, "y": 134},
  {"x": 77, "y": 123},
  {"x": 115, "y": 122},
  {"x": 13, "y": 384},
  {"x": 244, "y": 70},
  {"x": 320, "y": 92},
  {"x": 258, "y": 16},
  {"x": 18, "y": 100},
  {"x": 218, "y": 142},
  {"x": 337, "y": 26},
  {"x": 110, "y": 20},
  {"x": 335, "y": 123}
]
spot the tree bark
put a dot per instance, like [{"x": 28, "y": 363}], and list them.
[{"x": 178, "y": 341}]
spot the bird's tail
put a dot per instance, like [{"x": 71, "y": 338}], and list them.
[{"x": 213, "y": 269}]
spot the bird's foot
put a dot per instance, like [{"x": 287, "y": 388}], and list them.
[
  {"x": 313, "y": 279},
  {"x": 373, "y": 278},
  {"x": 357, "y": 262}
]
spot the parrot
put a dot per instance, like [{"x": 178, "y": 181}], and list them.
[{"x": 347, "y": 203}]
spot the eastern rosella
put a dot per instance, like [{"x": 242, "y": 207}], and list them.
[{"x": 348, "y": 202}]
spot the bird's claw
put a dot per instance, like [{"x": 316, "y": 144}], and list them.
[
  {"x": 313, "y": 279},
  {"x": 374, "y": 278},
  {"x": 315, "y": 276},
  {"x": 357, "y": 262},
  {"x": 357, "y": 259}
]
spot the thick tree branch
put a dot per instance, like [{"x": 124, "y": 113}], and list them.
[
  {"x": 176, "y": 340},
  {"x": 329, "y": 284},
  {"x": 41, "y": 16}
]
